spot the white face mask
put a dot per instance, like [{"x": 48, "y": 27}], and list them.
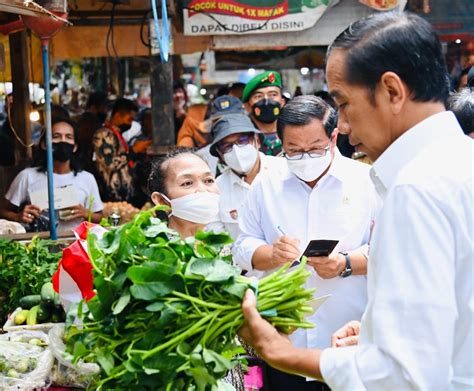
[
  {"x": 201, "y": 207},
  {"x": 241, "y": 159},
  {"x": 308, "y": 169}
]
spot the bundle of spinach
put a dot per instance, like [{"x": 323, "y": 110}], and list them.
[
  {"x": 167, "y": 310},
  {"x": 24, "y": 268}
]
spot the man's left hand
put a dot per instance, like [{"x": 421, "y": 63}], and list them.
[{"x": 328, "y": 267}]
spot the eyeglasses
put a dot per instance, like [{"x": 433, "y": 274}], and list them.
[
  {"x": 314, "y": 153},
  {"x": 243, "y": 140}
]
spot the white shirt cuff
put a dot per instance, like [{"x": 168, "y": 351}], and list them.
[
  {"x": 339, "y": 369},
  {"x": 243, "y": 252}
]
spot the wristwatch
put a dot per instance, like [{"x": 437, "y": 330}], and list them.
[{"x": 348, "y": 269}]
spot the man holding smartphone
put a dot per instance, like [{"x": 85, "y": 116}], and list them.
[{"x": 322, "y": 195}]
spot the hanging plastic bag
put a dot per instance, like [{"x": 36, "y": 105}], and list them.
[{"x": 64, "y": 372}]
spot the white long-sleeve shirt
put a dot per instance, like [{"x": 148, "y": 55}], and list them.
[
  {"x": 341, "y": 207},
  {"x": 418, "y": 330}
]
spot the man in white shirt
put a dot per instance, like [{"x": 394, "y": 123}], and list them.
[
  {"x": 388, "y": 76},
  {"x": 322, "y": 195},
  {"x": 236, "y": 143}
]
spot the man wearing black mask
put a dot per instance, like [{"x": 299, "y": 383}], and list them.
[
  {"x": 263, "y": 99},
  {"x": 19, "y": 203},
  {"x": 113, "y": 168}
]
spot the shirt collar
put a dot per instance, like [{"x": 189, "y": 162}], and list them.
[{"x": 434, "y": 128}]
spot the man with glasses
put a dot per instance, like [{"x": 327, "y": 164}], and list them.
[
  {"x": 322, "y": 195},
  {"x": 236, "y": 143}
]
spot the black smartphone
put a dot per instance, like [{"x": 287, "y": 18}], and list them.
[{"x": 320, "y": 248}]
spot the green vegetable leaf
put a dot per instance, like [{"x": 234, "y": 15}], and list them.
[
  {"x": 80, "y": 349},
  {"x": 163, "y": 362},
  {"x": 157, "y": 227},
  {"x": 153, "y": 290},
  {"x": 217, "y": 361},
  {"x": 202, "y": 377},
  {"x": 153, "y": 271},
  {"x": 202, "y": 250},
  {"x": 106, "y": 291},
  {"x": 213, "y": 270},
  {"x": 149, "y": 341},
  {"x": 131, "y": 366},
  {"x": 110, "y": 242},
  {"x": 96, "y": 308},
  {"x": 214, "y": 238},
  {"x": 236, "y": 289},
  {"x": 169, "y": 315},
  {"x": 155, "y": 307},
  {"x": 106, "y": 361},
  {"x": 163, "y": 259},
  {"x": 121, "y": 303}
]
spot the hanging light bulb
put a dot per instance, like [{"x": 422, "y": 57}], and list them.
[{"x": 34, "y": 115}]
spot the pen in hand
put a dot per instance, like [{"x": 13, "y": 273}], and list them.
[{"x": 296, "y": 261}]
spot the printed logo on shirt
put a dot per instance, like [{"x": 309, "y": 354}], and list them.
[{"x": 234, "y": 214}]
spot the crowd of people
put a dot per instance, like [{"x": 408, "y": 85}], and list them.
[{"x": 277, "y": 174}]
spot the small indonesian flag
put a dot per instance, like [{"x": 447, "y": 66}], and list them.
[{"x": 74, "y": 280}]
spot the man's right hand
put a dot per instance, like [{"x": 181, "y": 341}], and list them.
[
  {"x": 260, "y": 334},
  {"x": 28, "y": 214},
  {"x": 285, "y": 249}
]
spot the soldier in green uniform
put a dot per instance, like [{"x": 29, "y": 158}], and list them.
[{"x": 263, "y": 99}]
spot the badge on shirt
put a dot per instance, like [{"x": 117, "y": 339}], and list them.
[
  {"x": 346, "y": 200},
  {"x": 233, "y": 214}
]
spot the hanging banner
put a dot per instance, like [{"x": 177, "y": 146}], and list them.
[
  {"x": 382, "y": 5},
  {"x": 226, "y": 17}
]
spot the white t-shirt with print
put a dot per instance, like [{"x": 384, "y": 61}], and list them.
[{"x": 30, "y": 180}]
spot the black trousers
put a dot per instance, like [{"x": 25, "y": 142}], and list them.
[{"x": 276, "y": 380}]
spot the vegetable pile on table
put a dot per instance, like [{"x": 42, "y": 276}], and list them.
[
  {"x": 24, "y": 268},
  {"x": 42, "y": 308},
  {"x": 167, "y": 310}
]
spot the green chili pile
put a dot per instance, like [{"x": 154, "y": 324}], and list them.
[{"x": 167, "y": 310}]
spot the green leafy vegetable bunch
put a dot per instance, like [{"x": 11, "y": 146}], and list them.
[
  {"x": 167, "y": 310},
  {"x": 24, "y": 268}
]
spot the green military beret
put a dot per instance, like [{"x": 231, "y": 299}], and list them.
[{"x": 265, "y": 79}]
